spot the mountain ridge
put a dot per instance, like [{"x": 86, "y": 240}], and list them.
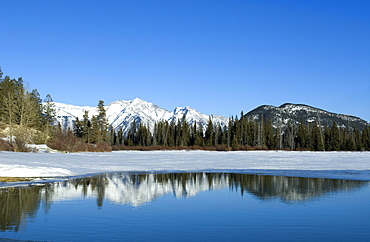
[{"x": 295, "y": 113}]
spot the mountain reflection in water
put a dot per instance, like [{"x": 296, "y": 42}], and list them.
[{"x": 19, "y": 204}]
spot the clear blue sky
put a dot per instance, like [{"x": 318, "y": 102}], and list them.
[{"x": 219, "y": 57}]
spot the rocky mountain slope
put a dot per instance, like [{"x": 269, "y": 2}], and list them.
[{"x": 294, "y": 113}]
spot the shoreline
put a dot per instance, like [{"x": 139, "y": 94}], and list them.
[{"x": 14, "y": 179}]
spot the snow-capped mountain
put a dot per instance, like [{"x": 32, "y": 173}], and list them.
[
  {"x": 294, "y": 113},
  {"x": 121, "y": 114}
]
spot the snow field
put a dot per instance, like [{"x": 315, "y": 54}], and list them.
[{"x": 336, "y": 165}]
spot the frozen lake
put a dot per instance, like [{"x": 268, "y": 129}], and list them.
[
  {"x": 335, "y": 165},
  {"x": 188, "y": 207}
]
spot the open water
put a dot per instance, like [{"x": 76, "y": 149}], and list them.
[{"x": 187, "y": 207}]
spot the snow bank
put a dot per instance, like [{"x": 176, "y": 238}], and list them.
[{"x": 341, "y": 165}]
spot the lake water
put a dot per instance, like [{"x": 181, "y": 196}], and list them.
[{"x": 188, "y": 207}]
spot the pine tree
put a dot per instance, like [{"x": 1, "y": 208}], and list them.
[
  {"x": 243, "y": 129},
  {"x": 197, "y": 135},
  {"x": 78, "y": 128},
  {"x": 316, "y": 141},
  {"x": 342, "y": 139},
  {"x": 269, "y": 134},
  {"x": 260, "y": 133},
  {"x": 155, "y": 134},
  {"x": 132, "y": 134},
  {"x": 185, "y": 132},
  {"x": 229, "y": 132},
  {"x": 236, "y": 132},
  {"x": 358, "y": 140},
  {"x": 218, "y": 135},
  {"x": 250, "y": 132},
  {"x": 209, "y": 134},
  {"x": 234, "y": 142},
  {"x": 327, "y": 138},
  {"x": 171, "y": 133},
  {"x": 224, "y": 136},
  {"x": 289, "y": 136},
  {"x": 120, "y": 137},
  {"x": 149, "y": 136},
  {"x": 335, "y": 142},
  {"x": 159, "y": 133},
  {"x": 177, "y": 133},
  {"x": 143, "y": 135},
  {"x": 301, "y": 139},
  {"x": 102, "y": 124},
  {"x": 193, "y": 133},
  {"x": 86, "y": 127},
  {"x": 95, "y": 131},
  {"x": 365, "y": 137},
  {"x": 350, "y": 142},
  {"x": 48, "y": 117}
]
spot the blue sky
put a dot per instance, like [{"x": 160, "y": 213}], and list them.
[{"x": 219, "y": 57}]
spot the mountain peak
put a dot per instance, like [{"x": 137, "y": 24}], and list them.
[{"x": 138, "y": 100}]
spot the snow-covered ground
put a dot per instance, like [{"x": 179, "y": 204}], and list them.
[{"x": 341, "y": 165}]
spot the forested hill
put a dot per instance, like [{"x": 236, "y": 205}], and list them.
[{"x": 289, "y": 113}]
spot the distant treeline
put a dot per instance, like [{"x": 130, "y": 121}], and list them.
[{"x": 243, "y": 134}]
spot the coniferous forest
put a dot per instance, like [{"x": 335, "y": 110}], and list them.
[
  {"x": 26, "y": 118},
  {"x": 243, "y": 134}
]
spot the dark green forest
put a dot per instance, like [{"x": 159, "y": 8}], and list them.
[
  {"x": 26, "y": 118},
  {"x": 244, "y": 134}
]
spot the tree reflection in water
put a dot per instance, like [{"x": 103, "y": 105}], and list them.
[{"x": 19, "y": 204}]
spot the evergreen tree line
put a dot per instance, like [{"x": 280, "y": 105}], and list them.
[
  {"x": 22, "y": 113},
  {"x": 93, "y": 130},
  {"x": 244, "y": 134}
]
